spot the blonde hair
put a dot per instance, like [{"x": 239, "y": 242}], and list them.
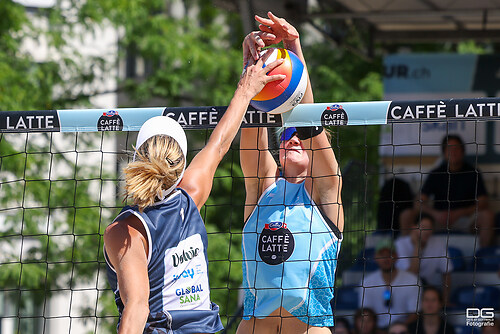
[{"x": 159, "y": 163}]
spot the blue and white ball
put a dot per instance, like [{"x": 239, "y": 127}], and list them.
[{"x": 281, "y": 96}]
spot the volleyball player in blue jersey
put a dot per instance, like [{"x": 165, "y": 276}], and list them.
[
  {"x": 156, "y": 250},
  {"x": 294, "y": 216}
]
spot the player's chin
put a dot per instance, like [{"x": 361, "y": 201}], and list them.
[{"x": 296, "y": 158}]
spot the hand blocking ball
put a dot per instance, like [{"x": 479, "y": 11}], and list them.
[{"x": 281, "y": 96}]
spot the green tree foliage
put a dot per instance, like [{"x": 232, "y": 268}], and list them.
[
  {"x": 51, "y": 219},
  {"x": 50, "y": 230}
]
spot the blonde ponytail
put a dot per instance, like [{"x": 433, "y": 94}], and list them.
[{"x": 159, "y": 163}]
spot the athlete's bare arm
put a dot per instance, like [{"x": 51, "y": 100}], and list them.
[
  {"x": 198, "y": 178},
  {"x": 127, "y": 247}
]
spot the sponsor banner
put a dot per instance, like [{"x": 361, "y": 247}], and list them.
[
  {"x": 124, "y": 119},
  {"x": 313, "y": 114},
  {"x": 29, "y": 121},
  {"x": 121, "y": 119},
  {"x": 209, "y": 117},
  {"x": 434, "y": 110},
  {"x": 337, "y": 114}
]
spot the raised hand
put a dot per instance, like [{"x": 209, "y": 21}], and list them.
[
  {"x": 279, "y": 27},
  {"x": 253, "y": 44},
  {"x": 255, "y": 77}
]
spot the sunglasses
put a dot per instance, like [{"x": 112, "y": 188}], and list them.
[{"x": 288, "y": 133}]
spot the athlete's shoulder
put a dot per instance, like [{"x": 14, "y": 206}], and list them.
[
  {"x": 124, "y": 221},
  {"x": 120, "y": 231}
]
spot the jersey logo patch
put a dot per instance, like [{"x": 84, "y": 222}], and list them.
[{"x": 276, "y": 243}]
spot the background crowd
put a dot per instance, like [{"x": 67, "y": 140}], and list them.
[{"x": 416, "y": 278}]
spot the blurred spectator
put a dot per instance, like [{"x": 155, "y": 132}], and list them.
[
  {"x": 392, "y": 293},
  {"x": 460, "y": 199},
  {"x": 425, "y": 255},
  {"x": 398, "y": 327},
  {"x": 342, "y": 326},
  {"x": 495, "y": 329},
  {"x": 431, "y": 319},
  {"x": 396, "y": 201},
  {"x": 365, "y": 322}
]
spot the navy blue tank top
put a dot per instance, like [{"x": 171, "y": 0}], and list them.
[{"x": 179, "y": 299}]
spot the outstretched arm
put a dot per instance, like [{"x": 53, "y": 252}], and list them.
[
  {"x": 325, "y": 182},
  {"x": 198, "y": 178},
  {"x": 258, "y": 165},
  {"x": 281, "y": 30}
]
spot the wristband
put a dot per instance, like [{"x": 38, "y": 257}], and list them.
[{"x": 308, "y": 132}]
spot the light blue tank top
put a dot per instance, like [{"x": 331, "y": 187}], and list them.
[{"x": 290, "y": 253}]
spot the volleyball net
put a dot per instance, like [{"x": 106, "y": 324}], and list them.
[{"x": 61, "y": 185}]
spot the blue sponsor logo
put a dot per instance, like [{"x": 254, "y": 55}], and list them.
[
  {"x": 273, "y": 226},
  {"x": 110, "y": 113},
  {"x": 334, "y": 107},
  {"x": 189, "y": 273}
]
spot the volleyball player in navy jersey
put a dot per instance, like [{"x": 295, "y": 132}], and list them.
[
  {"x": 156, "y": 250},
  {"x": 294, "y": 216}
]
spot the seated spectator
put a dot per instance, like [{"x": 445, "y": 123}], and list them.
[
  {"x": 398, "y": 328},
  {"x": 365, "y": 322},
  {"x": 460, "y": 199},
  {"x": 392, "y": 293},
  {"x": 425, "y": 255},
  {"x": 395, "y": 207},
  {"x": 495, "y": 329},
  {"x": 431, "y": 319},
  {"x": 341, "y": 326}
]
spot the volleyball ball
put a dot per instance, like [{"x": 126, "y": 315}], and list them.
[{"x": 281, "y": 96}]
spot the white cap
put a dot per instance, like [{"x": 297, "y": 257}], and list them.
[{"x": 163, "y": 125}]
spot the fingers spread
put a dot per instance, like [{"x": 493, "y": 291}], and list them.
[
  {"x": 263, "y": 20},
  {"x": 274, "y": 64},
  {"x": 277, "y": 20}
]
